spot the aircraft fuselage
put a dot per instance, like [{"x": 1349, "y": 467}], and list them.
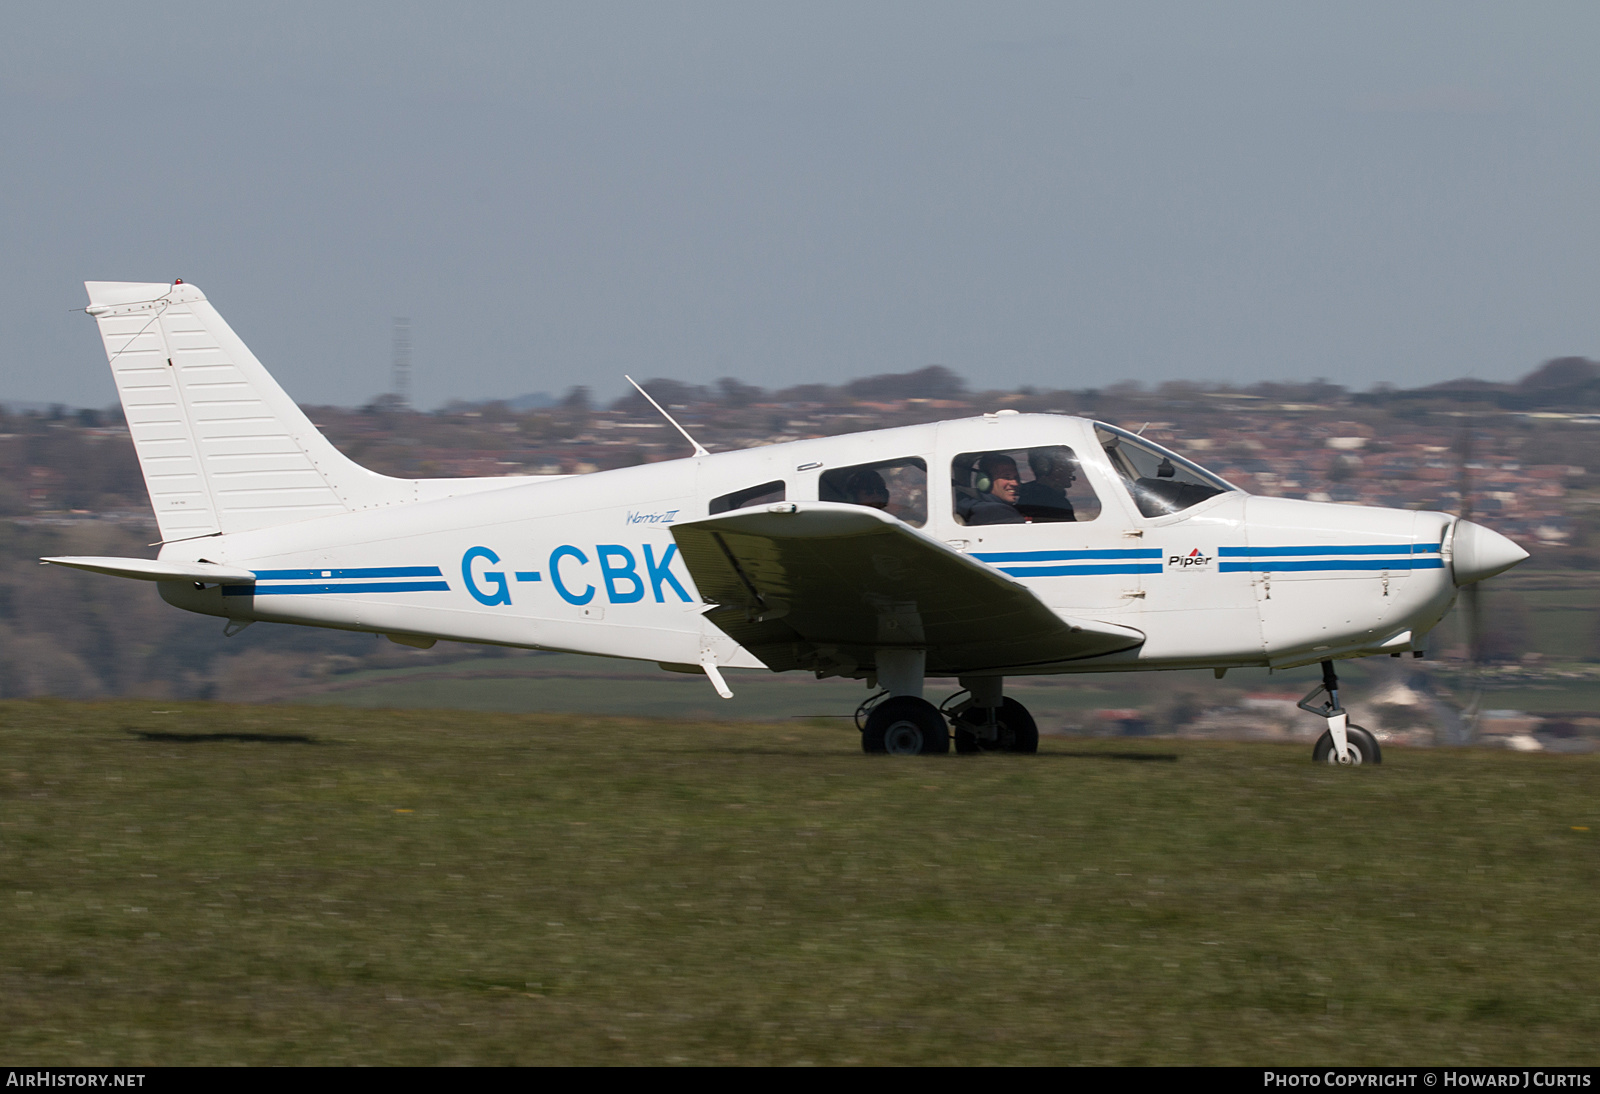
[{"x": 588, "y": 564}]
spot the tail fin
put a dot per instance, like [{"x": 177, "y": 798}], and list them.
[{"x": 222, "y": 446}]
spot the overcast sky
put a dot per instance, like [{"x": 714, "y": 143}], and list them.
[{"x": 1053, "y": 194}]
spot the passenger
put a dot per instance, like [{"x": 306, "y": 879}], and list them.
[
  {"x": 1045, "y": 498},
  {"x": 866, "y": 487},
  {"x": 998, "y": 504}
]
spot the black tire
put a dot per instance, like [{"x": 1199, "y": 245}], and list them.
[
  {"x": 906, "y": 726},
  {"x": 1018, "y": 731},
  {"x": 1364, "y": 744}
]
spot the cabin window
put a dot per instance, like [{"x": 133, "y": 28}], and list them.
[
  {"x": 1042, "y": 485},
  {"x": 898, "y": 487},
  {"x": 1161, "y": 482},
  {"x": 750, "y": 495}
]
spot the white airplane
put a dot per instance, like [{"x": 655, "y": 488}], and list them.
[{"x": 1001, "y": 545}]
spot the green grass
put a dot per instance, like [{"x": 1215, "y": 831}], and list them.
[{"x": 208, "y": 884}]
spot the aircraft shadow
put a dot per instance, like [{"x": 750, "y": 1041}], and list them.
[
  {"x": 204, "y": 738},
  {"x": 1136, "y": 757}
]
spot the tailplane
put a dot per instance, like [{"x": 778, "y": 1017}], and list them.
[{"x": 223, "y": 448}]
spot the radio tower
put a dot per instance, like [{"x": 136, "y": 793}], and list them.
[{"x": 402, "y": 363}]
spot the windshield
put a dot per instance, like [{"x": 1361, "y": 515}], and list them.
[{"x": 1161, "y": 482}]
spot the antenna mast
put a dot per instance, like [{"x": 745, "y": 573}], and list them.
[
  {"x": 402, "y": 362},
  {"x": 699, "y": 449}
]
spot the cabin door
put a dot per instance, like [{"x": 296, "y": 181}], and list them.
[{"x": 1044, "y": 516}]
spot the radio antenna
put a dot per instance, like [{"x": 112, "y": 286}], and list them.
[
  {"x": 402, "y": 363},
  {"x": 699, "y": 449}
]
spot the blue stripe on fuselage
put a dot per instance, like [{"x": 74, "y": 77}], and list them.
[
  {"x": 1357, "y": 549},
  {"x": 348, "y": 587},
  {"x": 1263, "y": 565},
  {"x": 1066, "y": 571},
  {"x": 1063, "y": 556},
  {"x": 365, "y": 572}
]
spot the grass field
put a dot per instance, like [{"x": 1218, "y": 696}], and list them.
[{"x": 211, "y": 884}]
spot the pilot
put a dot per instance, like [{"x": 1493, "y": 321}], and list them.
[
  {"x": 866, "y": 487},
  {"x": 998, "y": 503},
  {"x": 1045, "y": 498}
]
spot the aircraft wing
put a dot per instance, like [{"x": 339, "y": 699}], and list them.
[{"x": 822, "y": 585}]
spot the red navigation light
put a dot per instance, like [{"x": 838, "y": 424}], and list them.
[{"x": 179, "y": 281}]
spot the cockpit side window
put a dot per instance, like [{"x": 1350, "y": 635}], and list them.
[
  {"x": 1160, "y": 482},
  {"x": 750, "y": 495},
  {"x": 898, "y": 487},
  {"x": 1041, "y": 485}
]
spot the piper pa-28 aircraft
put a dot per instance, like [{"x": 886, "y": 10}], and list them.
[{"x": 1001, "y": 545}]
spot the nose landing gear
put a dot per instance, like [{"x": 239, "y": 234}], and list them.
[{"x": 1342, "y": 743}]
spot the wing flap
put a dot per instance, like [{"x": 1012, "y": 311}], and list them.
[{"x": 822, "y": 585}]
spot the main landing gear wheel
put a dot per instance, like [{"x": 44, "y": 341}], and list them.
[
  {"x": 905, "y": 726},
  {"x": 1015, "y": 729},
  {"x": 1363, "y": 747}
]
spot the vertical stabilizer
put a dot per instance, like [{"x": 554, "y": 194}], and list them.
[{"x": 223, "y": 448}]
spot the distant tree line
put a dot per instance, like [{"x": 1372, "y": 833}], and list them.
[{"x": 1563, "y": 384}]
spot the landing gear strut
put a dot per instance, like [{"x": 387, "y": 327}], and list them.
[
  {"x": 1342, "y": 743},
  {"x": 899, "y": 720}
]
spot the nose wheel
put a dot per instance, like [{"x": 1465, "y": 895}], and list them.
[
  {"x": 1341, "y": 743},
  {"x": 1361, "y": 747}
]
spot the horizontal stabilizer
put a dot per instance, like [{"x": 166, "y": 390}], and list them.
[
  {"x": 823, "y": 585},
  {"x": 149, "y": 569}
]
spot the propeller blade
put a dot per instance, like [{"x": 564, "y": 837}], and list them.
[
  {"x": 1471, "y": 608},
  {"x": 1466, "y": 578}
]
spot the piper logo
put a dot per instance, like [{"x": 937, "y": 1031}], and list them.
[{"x": 1192, "y": 561}]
